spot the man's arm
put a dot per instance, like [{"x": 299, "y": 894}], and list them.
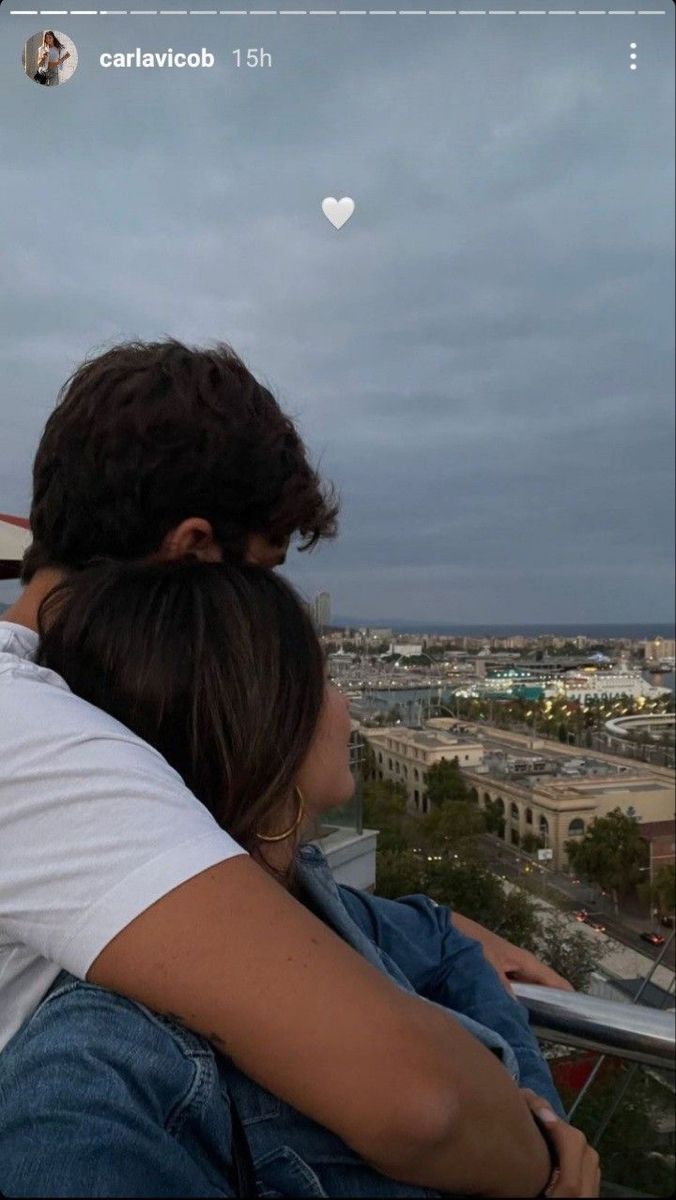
[
  {"x": 114, "y": 871},
  {"x": 239, "y": 960},
  {"x": 450, "y": 969}
]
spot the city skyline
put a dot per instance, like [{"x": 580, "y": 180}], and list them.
[{"x": 634, "y": 630}]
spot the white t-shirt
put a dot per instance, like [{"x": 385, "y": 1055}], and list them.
[{"x": 95, "y": 826}]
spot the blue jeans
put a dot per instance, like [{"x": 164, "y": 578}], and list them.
[
  {"x": 128, "y": 1103},
  {"x": 100, "y": 1097}
]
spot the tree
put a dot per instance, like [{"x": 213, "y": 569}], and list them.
[
  {"x": 660, "y": 891},
  {"x": 634, "y": 1153},
  {"x": 611, "y": 853},
  {"x": 399, "y": 873},
  {"x": 466, "y": 885},
  {"x": 569, "y": 951},
  {"x": 452, "y": 827},
  {"x": 445, "y": 783},
  {"x": 494, "y": 817},
  {"x": 385, "y": 810},
  {"x": 530, "y": 842},
  {"x": 518, "y": 921}
]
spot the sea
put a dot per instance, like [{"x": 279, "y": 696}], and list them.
[{"x": 640, "y": 631}]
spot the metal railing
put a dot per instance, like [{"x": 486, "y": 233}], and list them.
[{"x": 630, "y": 1031}]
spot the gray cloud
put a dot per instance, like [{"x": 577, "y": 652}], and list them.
[{"x": 481, "y": 359}]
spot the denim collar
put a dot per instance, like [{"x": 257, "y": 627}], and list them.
[{"x": 314, "y": 873}]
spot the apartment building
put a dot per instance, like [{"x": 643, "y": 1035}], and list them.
[
  {"x": 321, "y": 610},
  {"x": 659, "y": 649},
  {"x": 405, "y": 756},
  {"x": 559, "y": 810}
]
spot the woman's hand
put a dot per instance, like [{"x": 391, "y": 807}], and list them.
[
  {"x": 512, "y": 964},
  {"x": 579, "y": 1172}
]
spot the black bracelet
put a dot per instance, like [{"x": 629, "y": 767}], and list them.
[{"x": 553, "y": 1155}]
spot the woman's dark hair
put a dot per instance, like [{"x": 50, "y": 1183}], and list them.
[
  {"x": 149, "y": 434},
  {"x": 216, "y": 665},
  {"x": 57, "y": 43}
]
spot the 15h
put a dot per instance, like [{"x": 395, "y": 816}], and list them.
[{"x": 257, "y": 57}]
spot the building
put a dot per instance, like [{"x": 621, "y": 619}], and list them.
[
  {"x": 351, "y": 855},
  {"x": 406, "y": 649},
  {"x": 14, "y": 540},
  {"x": 558, "y": 810},
  {"x": 659, "y": 650},
  {"x": 526, "y": 764},
  {"x": 405, "y": 756},
  {"x": 654, "y": 725},
  {"x": 661, "y": 839},
  {"x": 321, "y": 610},
  {"x": 340, "y": 663}
]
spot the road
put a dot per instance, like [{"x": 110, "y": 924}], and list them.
[{"x": 521, "y": 868}]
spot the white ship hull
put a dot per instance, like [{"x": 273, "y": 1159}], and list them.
[{"x": 606, "y": 686}]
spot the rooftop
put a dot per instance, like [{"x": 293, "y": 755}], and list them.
[
  {"x": 617, "y": 785},
  {"x": 427, "y": 738}
]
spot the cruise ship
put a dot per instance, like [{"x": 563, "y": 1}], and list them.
[
  {"x": 580, "y": 685},
  {"x": 587, "y": 686}
]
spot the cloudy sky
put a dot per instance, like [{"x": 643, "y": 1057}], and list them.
[{"x": 481, "y": 359}]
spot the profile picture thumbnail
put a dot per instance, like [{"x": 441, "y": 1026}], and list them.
[{"x": 50, "y": 58}]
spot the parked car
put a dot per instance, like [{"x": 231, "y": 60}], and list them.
[{"x": 655, "y": 939}]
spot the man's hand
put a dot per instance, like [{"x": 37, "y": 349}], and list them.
[
  {"x": 579, "y": 1171},
  {"x": 510, "y": 962}
]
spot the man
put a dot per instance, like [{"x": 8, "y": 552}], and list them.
[{"x": 111, "y": 869}]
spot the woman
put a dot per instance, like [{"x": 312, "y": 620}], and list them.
[
  {"x": 219, "y": 668},
  {"x": 51, "y": 57}
]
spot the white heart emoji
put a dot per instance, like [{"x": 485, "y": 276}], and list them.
[{"x": 337, "y": 211}]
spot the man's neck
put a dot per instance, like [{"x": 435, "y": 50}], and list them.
[{"x": 25, "y": 610}]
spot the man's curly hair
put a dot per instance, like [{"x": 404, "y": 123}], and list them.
[{"x": 149, "y": 434}]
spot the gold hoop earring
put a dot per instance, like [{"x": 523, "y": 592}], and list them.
[{"x": 281, "y": 837}]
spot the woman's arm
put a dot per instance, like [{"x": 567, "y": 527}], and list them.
[{"x": 236, "y": 958}]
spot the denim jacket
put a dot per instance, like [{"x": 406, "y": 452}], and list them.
[
  {"x": 129, "y": 1103},
  {"x": 414, "y": 942}
]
